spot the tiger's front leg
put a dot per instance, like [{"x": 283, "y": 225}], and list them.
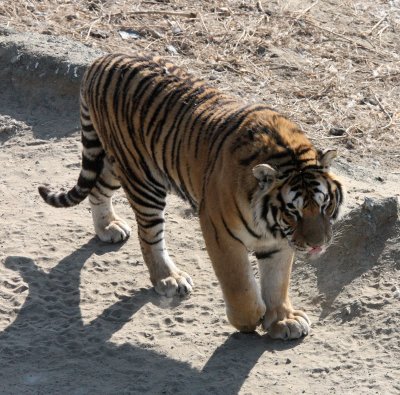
[
  {"x": 280, "y": 320},
  {"x": 244, "y": 305}
]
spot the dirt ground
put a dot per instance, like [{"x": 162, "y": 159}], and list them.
[{"x": 78, "y": 316}]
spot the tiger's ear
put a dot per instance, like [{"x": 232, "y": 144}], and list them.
[
  {"x": 326, "y": 157},
  {"x": 265, "y": 175}
]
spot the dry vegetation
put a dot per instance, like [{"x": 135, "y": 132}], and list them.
[{"x": 333, "y": 65}]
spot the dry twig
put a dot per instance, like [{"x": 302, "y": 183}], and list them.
[
  {"x": 386, "y": 113},
  {"x": 171, "y": 13},
  {"x": 302, "y": 13}
]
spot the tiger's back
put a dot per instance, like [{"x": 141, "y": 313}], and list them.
[
  {"x": 165, "y": 116},
  {"x": 258, "y": 182}
]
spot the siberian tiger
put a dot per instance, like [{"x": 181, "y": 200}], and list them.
[{"x": 257, "y": 182}]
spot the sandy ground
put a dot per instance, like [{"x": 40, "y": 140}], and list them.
[{"x": 80, "y": 317}]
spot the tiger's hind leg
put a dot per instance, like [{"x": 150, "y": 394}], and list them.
[
  {"x": 108, "y": 226},
  {"x": 148, "y": 202}
]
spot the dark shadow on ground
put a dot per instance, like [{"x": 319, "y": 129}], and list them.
[
  {"x": 69, "y": 357},
  {"x": 363, "y": 235},
  {"x": 44, "y": 120}
]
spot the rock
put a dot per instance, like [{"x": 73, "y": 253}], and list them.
[
  {"x": 337, "y": 131},
  {"x": 171, "y": 49},
  {"x": 127, "y": 34}
]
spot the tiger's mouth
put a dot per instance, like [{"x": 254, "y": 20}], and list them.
[
  {"x": 309, "y": 252},
  {"x": 316, "y": 252}
]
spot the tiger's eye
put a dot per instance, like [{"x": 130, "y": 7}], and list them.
[{"x": 288, "y": 217}]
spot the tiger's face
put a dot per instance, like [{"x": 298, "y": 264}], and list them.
[
  {"x": 309, "y": 206},
  {"x": 301, "y": 207}
]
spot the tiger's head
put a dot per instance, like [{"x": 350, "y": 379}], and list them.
[{"x": 300, "y": 205}]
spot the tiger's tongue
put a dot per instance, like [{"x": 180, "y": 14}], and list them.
[{"x": 315, "y": 250}]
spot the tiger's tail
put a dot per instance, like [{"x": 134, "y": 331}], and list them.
[{"x": 92, "y": 165}]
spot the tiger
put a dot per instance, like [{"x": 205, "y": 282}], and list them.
[{"x": 259, "y": 186}]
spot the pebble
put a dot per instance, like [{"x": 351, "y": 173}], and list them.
[
  {"x": 369, "y": 100},
  {"x": 337, "y": 131},
  {"x": 129, "y": 33},
  {"x": 171, "y": 49}
]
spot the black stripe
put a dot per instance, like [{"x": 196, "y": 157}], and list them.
[
  {"x": 160, "y": 86},
  {"x": 254, "y": 234},
  {"x": 75, "y": 196},
  {"x": 340, "y": 189},
  {"x": 156, "y": 186},
  {"x": 240, "y": 115},
  {"x": 265, "y": 254},
  {"x": 174, "y": 130},
  {"x": 199, "y": 116},
  {"x": 186, "y": 107},
  {"x": 216, "y": 236},
  {"x": 146, "y": 215},
  {"x": 265, "y": 207},
  {"x": 107, "y": 185},
  {"x": 122, "y": 96},
  {"x": 298, "y": 193},
  {"x": 301, "y": 150},
  {"x": 93, "y": 77},
  {"x": 279, "y": 155},
  {"x": 149, "y": 187},
  {"x": 275, "y": 227},
  {"x": 94, "y": 165},
  {"x": 62, "y": 200},
  {"x": 230, "y": 232},
  {"x": 85, "y": 183},
  {"x": 180, "y": 177},
  {"x": 146, "y": 194},
  {"x": 143, "y": 203},
  {"x": 151, "y": 223},
  {"x": 313, "y": 168},
  {"x": 167, "y": 106},
  {"x": 295, "y": 162},
  {"x": 100, "y": 95},
  {"x": 151, "y": 242},
  {"x": 249, "y": 159},
  {"x": 90, "y": 143},
  {"x": 119, "y": 95},
  {"x": 87, "y": 128},
  {"x": 274, "y": 134}
]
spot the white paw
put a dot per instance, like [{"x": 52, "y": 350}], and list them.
[
  {"x": 177, "y": 284},
  {"x": 115, "y": 232},
  {"x": 295, "y": 325}
]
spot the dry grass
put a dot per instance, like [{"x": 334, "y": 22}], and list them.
[{"x": 333, "y": 66}]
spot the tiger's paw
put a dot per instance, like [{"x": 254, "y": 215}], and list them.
[
  {"x": 116, "y": 231},
  {"x": 286, "y": 324},
  {"x": 247, "y": 317},
  {"x": 178, "y": 283}
]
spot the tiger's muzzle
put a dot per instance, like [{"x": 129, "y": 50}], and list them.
[{"x": 312, "y": 235}]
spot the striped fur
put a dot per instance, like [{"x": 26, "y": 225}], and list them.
[{"x": 256, "y": 180}]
